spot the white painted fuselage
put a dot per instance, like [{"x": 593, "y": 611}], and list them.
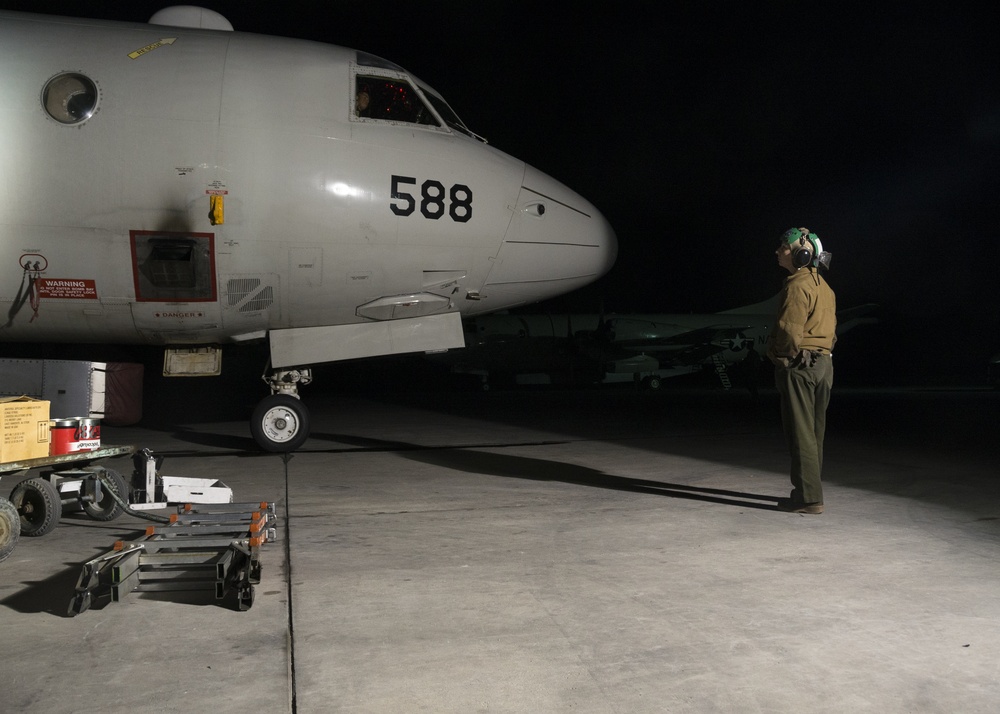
[{"x": 180, "y": 186}]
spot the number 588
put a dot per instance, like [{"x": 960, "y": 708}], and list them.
[{"x": 432, "y": 199}]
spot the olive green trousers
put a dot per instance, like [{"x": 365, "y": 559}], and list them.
[{"x": 805, "y": 394}]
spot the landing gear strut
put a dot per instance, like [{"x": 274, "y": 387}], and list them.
[{"x": 280, "y": 423}]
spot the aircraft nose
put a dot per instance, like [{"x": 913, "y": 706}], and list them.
[{"x": 557, "y": 242}]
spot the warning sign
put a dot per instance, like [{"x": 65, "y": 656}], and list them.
[{"x": 66, "y": 289}]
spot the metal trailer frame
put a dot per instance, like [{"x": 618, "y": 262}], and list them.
[
  {"x": 71, "y": 478},
  {"x": 205, "y": 547}
]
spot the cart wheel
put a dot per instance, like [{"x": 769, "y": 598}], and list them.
[
  {"x": 38, "y": 504},
  {"x": 10, "y": 528},
  {"x": 107, "y": 509},
  {"x": 245, "y": 598}
]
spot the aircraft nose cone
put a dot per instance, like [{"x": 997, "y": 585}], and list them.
[
  {"x": 557, "y": 242},
  {"x": 607, "y": 242}
]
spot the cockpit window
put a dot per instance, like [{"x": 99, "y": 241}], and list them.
[
  {"x": 450, "y": 118},
  {"x": 390, "y": 99},
  {"x": 385, "y": 91},
  {"x": 368, "y": 60},
  {"x": 70, "y": 98}
]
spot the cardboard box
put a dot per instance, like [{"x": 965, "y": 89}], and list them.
[{"x": 24, "y": 429}]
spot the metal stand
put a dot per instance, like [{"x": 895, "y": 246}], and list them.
[{"x": 205, "y": 547}]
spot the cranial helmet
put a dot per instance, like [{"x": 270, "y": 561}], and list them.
[{"x": 807, "y": 249}]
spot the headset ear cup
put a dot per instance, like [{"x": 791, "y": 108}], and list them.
[{"x": 802, "y": 257}]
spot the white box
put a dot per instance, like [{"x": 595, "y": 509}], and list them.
[{"x": 179, "y": 489}]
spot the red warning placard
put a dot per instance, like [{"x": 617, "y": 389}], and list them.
[{"x": 66, "y": 288}]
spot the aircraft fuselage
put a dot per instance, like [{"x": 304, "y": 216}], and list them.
[{"x": 170, "y": 185}]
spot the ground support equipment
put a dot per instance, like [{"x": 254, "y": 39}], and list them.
[
  {"x": 10, "y": 528},
  {"x": 64, "y": 480},
  {"x": 205, "y": 547},
  {"x": 151, "y": 491}
]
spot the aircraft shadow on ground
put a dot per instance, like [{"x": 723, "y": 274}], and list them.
[{"x": 230, "y": 445}]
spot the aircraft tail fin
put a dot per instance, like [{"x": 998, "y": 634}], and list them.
[
  {"x": 767, "y": 307},
  {"x": 846, "y": 319},
  {"x": 854, "y": 316}
]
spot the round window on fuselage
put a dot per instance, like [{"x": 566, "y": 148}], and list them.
[{"x": 70, "y": 98}]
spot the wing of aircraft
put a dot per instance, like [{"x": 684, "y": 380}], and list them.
[
  {"x": 180, "y": 184},
  {"x": 645, "y": 348}
]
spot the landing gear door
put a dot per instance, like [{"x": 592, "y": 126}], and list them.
[{"x": 175, "y": 286}]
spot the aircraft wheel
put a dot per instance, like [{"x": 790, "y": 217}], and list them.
[
  {"x": 38, "y": 504},
  {"x": 652, "y": 382},
  {"x": 10, "y": 528},
  {"x": 280, "y": 423},
  {"x": 107, "y": 509}
]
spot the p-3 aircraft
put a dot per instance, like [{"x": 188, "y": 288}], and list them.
[
  {"x": 181, "y": 184},
  {"x": 645, "y": 348}
]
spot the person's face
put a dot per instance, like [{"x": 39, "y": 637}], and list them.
[
  {"x": 784, "y": 253},
  {"x": 362, "y": 101}
]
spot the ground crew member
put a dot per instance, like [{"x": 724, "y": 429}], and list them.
[{"x": 801, "y": 348}]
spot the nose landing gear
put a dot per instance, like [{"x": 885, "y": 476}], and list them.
[{"x": 280, "y": 423}]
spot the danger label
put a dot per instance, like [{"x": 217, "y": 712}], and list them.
[
  {"x": 179, "y": 314},
  {"x": 67, "y": 289}
]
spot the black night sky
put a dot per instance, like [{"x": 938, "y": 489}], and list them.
[{"x": 703, "y": 130}]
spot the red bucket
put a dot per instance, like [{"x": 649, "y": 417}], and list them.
[{"x": 63, "y": 435}]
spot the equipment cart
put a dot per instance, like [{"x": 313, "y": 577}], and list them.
[
  {"x": 10, "y": 528},
  {"x": 65, "y": 479}
]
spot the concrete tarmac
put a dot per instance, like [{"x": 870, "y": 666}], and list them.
[{"x": 595, "y": 550}]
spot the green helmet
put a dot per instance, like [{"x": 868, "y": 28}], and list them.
[{"x": 807, "y": 249}]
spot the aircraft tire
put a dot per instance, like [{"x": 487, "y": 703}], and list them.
[
  {"x": 280, "y": 423},
  {"x": 107, "y": 509},
  {"x": 38, "y": 504},
  {"x": 651, "y": 383},
  {"x": 10, "y": 528}
]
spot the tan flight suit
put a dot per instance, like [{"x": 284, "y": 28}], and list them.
[{"x": 801, "y": 347}]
